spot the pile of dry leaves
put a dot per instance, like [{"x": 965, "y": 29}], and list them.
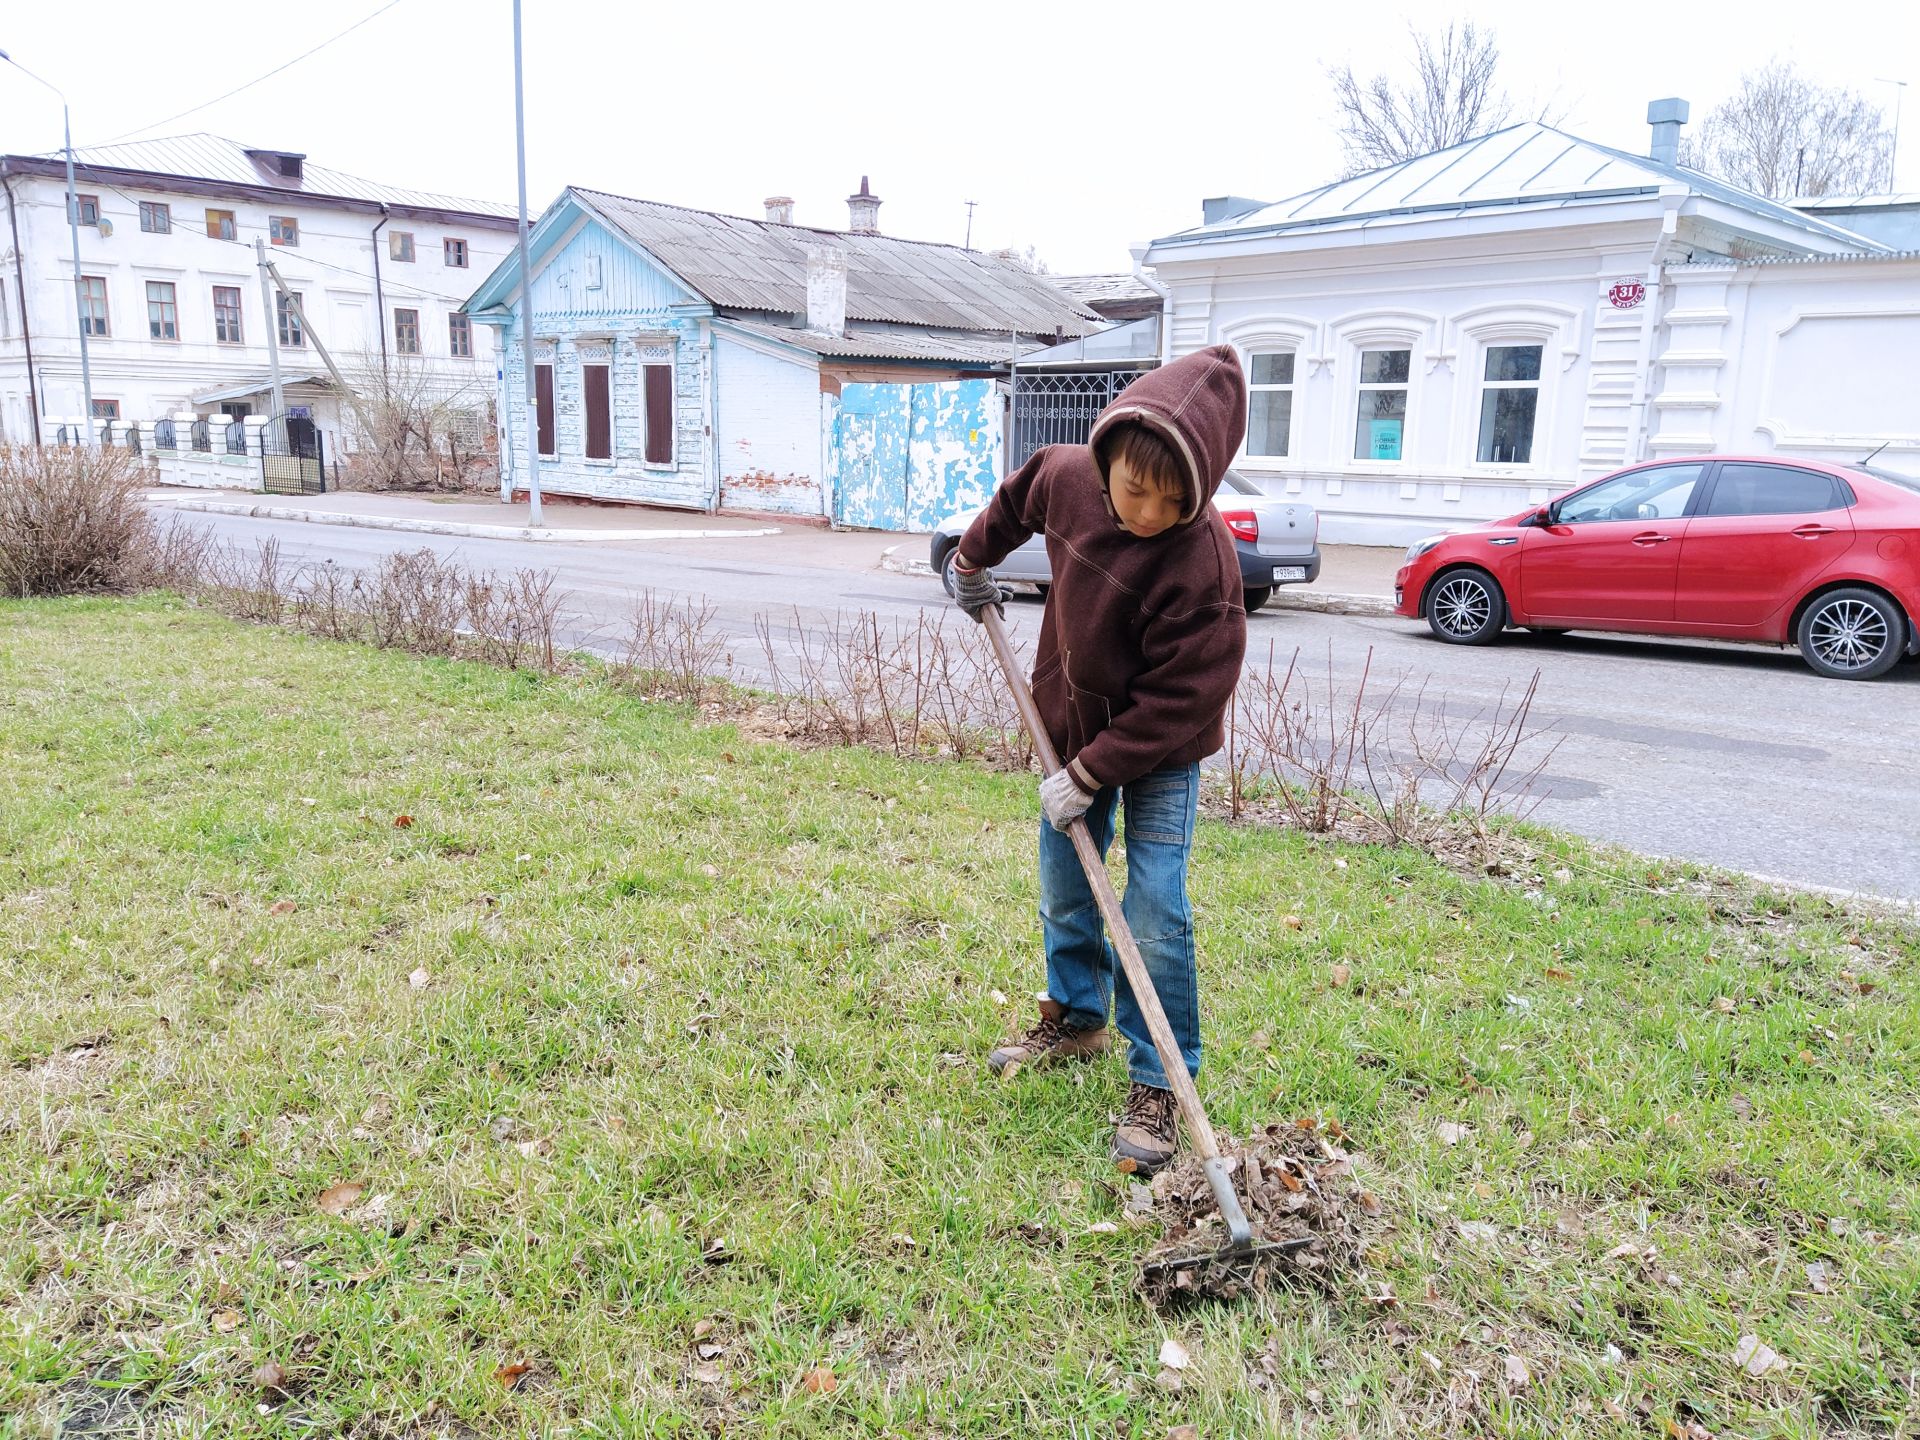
[{"x": 1298, "y": 1188}]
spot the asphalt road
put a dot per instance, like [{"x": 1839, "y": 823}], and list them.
[{"x": 1732, "y": 756}]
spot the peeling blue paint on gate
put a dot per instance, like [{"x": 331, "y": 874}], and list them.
[{"x": 904, "y": 457}]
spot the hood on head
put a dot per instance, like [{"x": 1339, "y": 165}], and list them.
[{"x": 1198, "y": 405}]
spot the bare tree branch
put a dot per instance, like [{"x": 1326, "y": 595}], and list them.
[
  {"x": 1454, "y": 95},
  {"x": 1780, "y": 135}
]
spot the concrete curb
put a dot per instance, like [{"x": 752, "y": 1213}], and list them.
[
  {"x": 892, "y": 559},
  {"x": 1329, "y": 602},
  {"x": 446, "y": 527}
]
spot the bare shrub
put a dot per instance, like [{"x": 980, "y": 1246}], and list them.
[
  {"x": 72, "y": 521},
  {"x": 910, "y": 687},
  {"x": 326, "y": 602},
  {"x": 249, "y": 583},
  {"x": 514, "y": 620},
  {"x": 418, "y": 426},
  {"x": 179, "y": 557},
  {"x": 1389, "y": 762},
  {"x": 671, "y": 649}
]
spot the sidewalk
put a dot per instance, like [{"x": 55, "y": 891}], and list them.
[
  {"x": 467, "y": 515},
  {"x": 1354, "y": 579}
]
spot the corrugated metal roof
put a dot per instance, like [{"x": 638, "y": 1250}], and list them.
[
  {"x": 979, "y": 348},
  {"x": 1522, "y": 164},
  {"x": 755, "y": 265},
  {"x": 223, "y": 161},
  {"x": 1855, "y": 202},
  {"x": 1099, "y": 289}
]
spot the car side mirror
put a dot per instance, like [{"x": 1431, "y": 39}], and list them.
[{"x": 1542, "y": 516}]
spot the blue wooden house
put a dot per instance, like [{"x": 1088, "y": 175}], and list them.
[{"x": 709, "y": 361}]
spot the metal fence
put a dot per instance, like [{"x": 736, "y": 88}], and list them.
[
  {"x": 293, "y": 458},
  {"x": 1053, "y": 407}
]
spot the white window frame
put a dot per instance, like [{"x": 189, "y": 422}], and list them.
[
  {"x": 1290, "y": 389},
  {"x": 1558, "y": 331},
  {"x": 170, "y": 302},
  {"x": 1407, "y": 330},
  {"x": 1279, "y": 334},
  {"x": 1360, "y": 387},
  {"x": 1483, "y": 386}
]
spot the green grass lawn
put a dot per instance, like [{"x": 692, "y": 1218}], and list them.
[{"x": 654, "y": 1052}]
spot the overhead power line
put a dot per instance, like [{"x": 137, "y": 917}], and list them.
[{"x": 205, "y": 104}]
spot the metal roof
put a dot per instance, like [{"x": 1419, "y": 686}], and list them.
[
  {"x": 1851, "y": 257},
  {"x": 1855, "y": 202},
  {"x": 221, "y": 161},
  {"x": 747, "y": 264},
  {"x": 239, "y": 390},
  {"x": 1523, "y": 164},
  {"x": 1103, "y": 289},
  {"x": 969, "y": 348}
]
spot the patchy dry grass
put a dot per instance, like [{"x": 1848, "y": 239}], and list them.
[{"x": 653, "y": 1053}]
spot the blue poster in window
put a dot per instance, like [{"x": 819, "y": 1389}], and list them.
[{"x": 1383, "y": 437}]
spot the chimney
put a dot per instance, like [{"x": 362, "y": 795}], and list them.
[
  {"x": 1220, "y": 208},
  {"x": 827, "y": 289},
  {"x": 779, "y": 209},
  {"x": 864, "y": 209},
  {"x": 1666, "y": 117}
]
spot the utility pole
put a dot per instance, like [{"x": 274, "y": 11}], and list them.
[
  {"x": 970, "y": 205},
  {"x": 347, "y": 392},
  {"x": 273, "y": 341},
  {"x": 73, "y": 228},
  {"x": 526, "y": 288},
  {"x": 1893, "y": 159}
]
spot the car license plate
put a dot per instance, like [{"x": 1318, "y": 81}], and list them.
[{"x": 1289, "y": 572}]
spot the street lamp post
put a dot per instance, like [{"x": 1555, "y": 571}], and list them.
[
  {"x": 1893, "y": 159},
  {"x": 73, "y": 227},
  {"x": 526, "y": 286}
]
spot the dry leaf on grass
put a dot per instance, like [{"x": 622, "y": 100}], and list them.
[
  {"x": 1518, "y": 1375},
  {"x": 702, "y": 1329},
  {"x": 1818, "y": 1278},
  {"x": 1174, "y": 1355},
  {"x": 283, "y": 907},
  {"x": 535, "y": 1149},
  {"x": 709, "y": 1351},
  {"x": 1451, "y": 1133},
  {"x": 1169, "y": 1380},
  {"x": 403, "y": 822},
  {"x": 226, "y": 1321},
  {"x": 1625, "y": 1250},
  {"x": 1554, "y": 972},
  {"x": 1756, "y": 1358},
  {"x": 1479, "y": 1231},
  {"x": 1184, "y": 1432},
  {"x": 1292, "y": 922},
  {"x": 709, "y": 1373},
  {"x": 1725, "y": 1004},
  {"x": 270, "y": 1376},
  {"x": 820, "y": 1381},
  {"x": 337, "y": 1199},
  {"x": 513, "y": 1374},
  {"x": 420, "y": 979},
  {"x": 1340, "y": 974}
]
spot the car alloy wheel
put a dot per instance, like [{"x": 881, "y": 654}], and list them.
[
  {"x": 1852, "y": 634},
  {"x": 1466, "y": 608}
]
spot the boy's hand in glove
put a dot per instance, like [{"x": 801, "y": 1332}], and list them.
[
  {"x": 1062, "y": 800},
  {"x": 974, "y": 590}
]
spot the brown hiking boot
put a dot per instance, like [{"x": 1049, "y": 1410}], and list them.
[
  {"x": 1050, "y": 1042},
  {"x": 1149, "y": 1130}
]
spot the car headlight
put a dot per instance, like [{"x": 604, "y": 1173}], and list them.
[{"x": 1421, "y": 547}]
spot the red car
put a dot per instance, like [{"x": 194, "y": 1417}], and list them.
[{"x": 1783, "y": 552}]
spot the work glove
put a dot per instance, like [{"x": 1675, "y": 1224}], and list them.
[
  {"x": 1062, "y": 800},
  {"x": 974, "y": 590}
]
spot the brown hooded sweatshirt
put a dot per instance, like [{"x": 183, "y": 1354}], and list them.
[{"x": 1141, "y": 643}]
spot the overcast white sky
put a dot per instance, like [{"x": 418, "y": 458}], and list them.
[{"x": 1078, "y": 127}]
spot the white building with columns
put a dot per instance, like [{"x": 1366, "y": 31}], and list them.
[
  {"x": 1462, "y": 335},
  {"x": 176, "y": 320}
]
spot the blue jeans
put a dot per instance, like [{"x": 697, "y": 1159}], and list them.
[{"x": 1083, "y": 974}]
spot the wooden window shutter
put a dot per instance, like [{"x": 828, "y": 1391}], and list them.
[
  {"x": 599, "y": 399},
  {"x": 543, "y": 403},
  {"x": 659, "y": 399}
]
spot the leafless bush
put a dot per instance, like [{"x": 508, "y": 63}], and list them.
[
  {"x": 912, "y": 688},
  {"x": 1393, "y": 763},
  {"x": 71, "y": 520},
  {"x": 250, "y": 583},
  {"x": 418, "y": 426},
  {"x": 671, "y": 649},
  {"x": 326, "y": 602},
  {"x": 514, "y": 619},
  {"x": 179, "y": 557}
]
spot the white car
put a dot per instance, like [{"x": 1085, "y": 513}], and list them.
[{"x": 1278, "y": 542}]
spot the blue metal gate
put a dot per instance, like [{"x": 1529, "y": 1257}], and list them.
[{"x": 905, "y": 457}]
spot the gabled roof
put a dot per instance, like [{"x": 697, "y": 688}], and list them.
[
  {"x": 1103, "y": 289},
  {"x": 741, "y": 264},
  {"x": 214, "y": 159},
  {"x": 972, "y": 347},
  {"x": 1521, "y": 166}
]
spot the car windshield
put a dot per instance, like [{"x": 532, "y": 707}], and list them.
[
  {"x": 1233, "y": 480},
  {"x": 1905, "y": 482}
]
